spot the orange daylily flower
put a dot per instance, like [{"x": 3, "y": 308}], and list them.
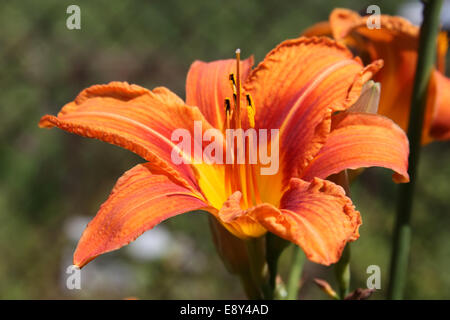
[
  {"x": 396, "y": 42},
  {"x": 298, "y": 88}
]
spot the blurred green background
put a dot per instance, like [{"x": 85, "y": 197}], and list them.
[{"x": 52, "y": 183}]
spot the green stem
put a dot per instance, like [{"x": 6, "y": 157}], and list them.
[
  {"x": 274, "y": 248},
  {"x": 342, "y": 270},
  {"x": 425, "y": 63},
  {"x": 250, "y": 288},
  {"x": 295, "y": 274},
  {"x": 256, "y": 254}
]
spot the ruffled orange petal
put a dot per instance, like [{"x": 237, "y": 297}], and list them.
[
  {"x": 296, "y": 89},
  {"x": 134, "y": 118},
  {"x": 440, "y": 125},
  {"x": 294, "y": 74},
  {"x": 139, "y": 201},
  {"x": 317, "y": 216},
  {"x": 207, "y": 86},
  {"x": 362, "y": 140}
]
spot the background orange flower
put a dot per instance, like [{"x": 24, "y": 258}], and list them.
[{"x": 395, "y": 42}]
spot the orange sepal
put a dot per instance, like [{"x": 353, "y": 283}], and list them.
[
  {"x": 134, "y": 118},
  {"x": 139, "y": 201},
  {"x": 360, "y": 140}
]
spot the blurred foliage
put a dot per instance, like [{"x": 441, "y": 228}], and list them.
[{"x": 47, "y": 177}]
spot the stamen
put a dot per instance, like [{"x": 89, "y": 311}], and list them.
[
  {"x": 233, "y": 86},
  {"x": 227, "y": 106},
  {"x": 227, "y": 114},
  {"x": 228, "y": 168},
  {"x": 255, "y": 186},
  {"x": 250, "y": 110},
  {"x": 249, "y": 181},
  {"x": 233, "y": 81}
]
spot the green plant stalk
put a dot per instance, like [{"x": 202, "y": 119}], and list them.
[
  {"x": 274, "y": 248},
  {"x": 256, "y": 254},
  {"x": 234, "y": 253},
  {"x": 295, "y": 274},
  {"x": 402, "y": 232},
  {"x": 251, "y": 290},
  {"x": 342, "y": 271}
]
